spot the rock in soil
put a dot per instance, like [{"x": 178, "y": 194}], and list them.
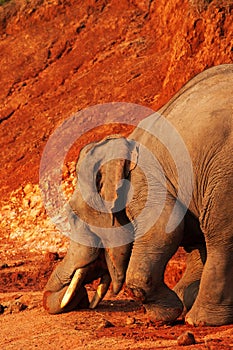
[
  {"x": 1, "y": 309},
  {"x": 130, "y": 321},
  {"x": 105, "y": 324},
  {"x": 186, "y": 338}
]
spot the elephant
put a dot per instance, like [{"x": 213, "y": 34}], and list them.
[{"x": 167, "y": 185}]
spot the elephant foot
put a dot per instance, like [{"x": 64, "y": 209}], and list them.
[
  {"x": 209, "y": 315},
  {"x": 187, "y": 294},
  {"x": 164, "y": 306},
  {"x": 162, "y": 314}
]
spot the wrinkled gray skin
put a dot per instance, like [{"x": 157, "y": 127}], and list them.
[{"x": 202, "y": 113}]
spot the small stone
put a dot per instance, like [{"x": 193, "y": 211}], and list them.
[
  {"x": 35, "y": 200},
  {"x": 25, "y": 203},
  {"x": 28, "y": 188},
  {"x": 17, "y": 307},
  {"x": 6, "y": 207},
  {"x": 105, "y": 324},
  {"x": 186, "y": 338},
  {"x": 35, "y": 212},
  {"x": 1, "y": 309},
  {"x": 130, "y": 320},
  {"x": 13, "y": 199}
]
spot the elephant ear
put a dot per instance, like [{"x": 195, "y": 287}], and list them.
[{"x": 101, "y": 195}]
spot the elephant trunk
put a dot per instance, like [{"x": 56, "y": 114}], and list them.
[{"x": 59, "y": 298}]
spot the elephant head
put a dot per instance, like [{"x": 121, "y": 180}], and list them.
[{"x": 101, "y": 232}]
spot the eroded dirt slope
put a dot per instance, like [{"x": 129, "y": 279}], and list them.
[{"x": 58, "y": 57}]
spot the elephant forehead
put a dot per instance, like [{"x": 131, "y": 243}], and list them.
[{"x": 109, "y": 149}]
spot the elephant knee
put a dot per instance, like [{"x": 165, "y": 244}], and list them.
[{"x": 139, "y": 284}]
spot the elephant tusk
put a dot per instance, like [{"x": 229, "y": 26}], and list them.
[
  {"x": 75, "y": 283},
  {"x": 101, "y": 291}
]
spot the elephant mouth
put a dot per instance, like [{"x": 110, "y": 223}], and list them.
[
  {"x": 110, "y": 266},
  {"x": 76, "y": 283},
  {"x": 85, "y": 275}
]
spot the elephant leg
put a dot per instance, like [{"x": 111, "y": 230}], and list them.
[
  {"x": 194, "y": 244},
  {"x": 188, "y": 286},
  {"x": 145, "y": 274},
  {"x": 214, "y": 302}
]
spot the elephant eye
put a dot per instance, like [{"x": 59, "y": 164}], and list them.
[{"x": 99, "y": 183}]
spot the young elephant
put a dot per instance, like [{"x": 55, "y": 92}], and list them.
[{"x": 178, "y": 171}]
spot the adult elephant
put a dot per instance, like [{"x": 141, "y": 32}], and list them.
[{"x": 178, "y": 168}]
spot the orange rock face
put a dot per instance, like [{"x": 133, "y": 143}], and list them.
[{"x": 60, "y": 57}]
